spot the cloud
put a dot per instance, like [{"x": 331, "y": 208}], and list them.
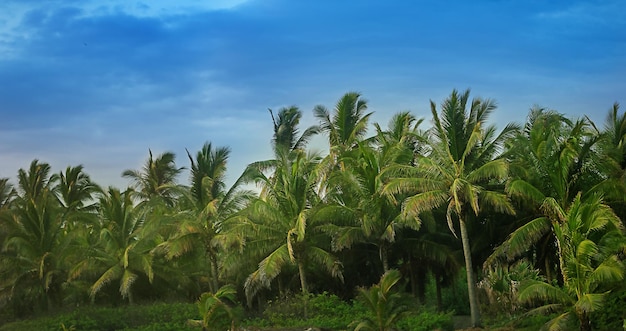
[{"x": 587, "y": 13}]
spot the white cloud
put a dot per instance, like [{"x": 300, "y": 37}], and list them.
[{"x": 602, "y": 12}]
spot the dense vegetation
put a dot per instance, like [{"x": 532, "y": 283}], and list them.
[{"x": 531, "y": 217}]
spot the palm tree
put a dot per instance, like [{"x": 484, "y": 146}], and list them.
[
  {"x": 123, "y": 252},
  {"x": 6, "y": 193},
  {"x": 34, "y": 244},
  {"x": 459, "y": 172},
  {"x": 75, "y": 192},
  {"x": 589, "y": 236},
  {"x": 203, "y": 210},
  {"x": 552, "y": 160},
  {"x": 286, "y": 129},
  {"x": 346, "y": 128},
  {"x": 156, "y": 179},
  {"x": 612, "y": 149},
  {"x": 355, "y": 195},
  {"x": 278, "y": 228},
  {"x": 383, "y": 303}
]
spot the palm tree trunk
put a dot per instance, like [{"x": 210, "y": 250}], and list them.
[
  {"x": 471, "y": 283},
  {"x": 305, "y": 290},
  {"x": 215, "y": 272},
  {"x": 421, "y": 285},
  {"x": 585, "y": 323},
  {"x": 303, "y": 283},
  {"x": 382, "y": 252},
  {"x": 438, "y": 286}
]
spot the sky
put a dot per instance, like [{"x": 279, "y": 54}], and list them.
[{"x": 99, "y": 83}]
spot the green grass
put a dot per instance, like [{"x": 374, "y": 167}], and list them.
[{"x": 158, "y": 316}]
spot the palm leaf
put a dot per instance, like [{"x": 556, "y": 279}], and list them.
[{"x": 521, "y": 239}]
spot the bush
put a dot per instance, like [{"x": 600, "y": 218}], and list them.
[
  {"x": 426, "y": 321},
  {"x": 323, "y": 311},
  {"x": 613, "y": 313}
]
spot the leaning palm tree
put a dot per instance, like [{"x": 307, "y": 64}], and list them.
[
  {"x": 458, "y": 173},
  {"x": 589, "y": 237}
]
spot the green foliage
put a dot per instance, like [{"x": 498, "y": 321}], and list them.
[
  {"x": 385, "y": 306},
  {"x": 588, "y": 237},
  {"x": 613, "y": 314},
  {"x": 324, "y": 310},
  {"x": 426, "y": 321},
  {"x": 501, "y": 285},
  {"x": 453, "y": 297},
  {"x": 219, "y": 311},
  {"x": 160, "y": 316}
]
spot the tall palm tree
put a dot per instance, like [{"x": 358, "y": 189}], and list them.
[
  {"x": 459, "y": 172},
  {"x": 156, "y": 179}
]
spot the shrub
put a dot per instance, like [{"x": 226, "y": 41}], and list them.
[
  {"x": 324, "y": 310},
  {"x": 426, "y": 321}
]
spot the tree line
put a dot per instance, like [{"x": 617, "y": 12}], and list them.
[{"x": 459, "y": 196}]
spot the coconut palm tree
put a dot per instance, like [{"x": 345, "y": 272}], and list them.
[
  {"x": 286, "y": 129},
  {"x": 552, "y": 160},
  {"x": 278, "y": 229},
  {"x": 589, "y": 235},
  {"x": 75, "y": 192},
  {"x": 6, "y": 193},
  {"x": 459, "y": 172},
  {"x": 33, "y": 247},
  {"x": 383, "y": 303},
  {"x": 346, "y": 127},
  {"x": 123, "y": 252},
  {"x": 357, "y": 210},
  {"x": 156, "y": 179},
  {"x": 203, "y": 209},
  {"x": 348, "y": 124},
  {"x": 612, "y": 150}
]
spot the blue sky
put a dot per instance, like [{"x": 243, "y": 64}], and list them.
[{"x": 99, "y": 83}]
